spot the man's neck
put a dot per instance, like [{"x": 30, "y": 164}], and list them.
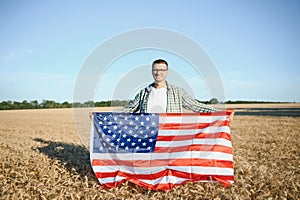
[{"x": 159, "y": 85}]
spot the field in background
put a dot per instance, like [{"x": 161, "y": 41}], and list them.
[{"x": 41, "y": 157}]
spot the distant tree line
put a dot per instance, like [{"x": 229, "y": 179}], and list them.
[
  {"x": 253, "y": 102},
  {"x": 14, "y": 105},
  {"x": 100, "y": 104}
]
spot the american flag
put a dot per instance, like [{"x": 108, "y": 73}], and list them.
[{"x": 161, "y": 151}]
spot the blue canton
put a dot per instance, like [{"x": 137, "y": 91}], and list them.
[{"x": 125, "y": 133}]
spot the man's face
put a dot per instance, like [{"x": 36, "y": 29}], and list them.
[{"x": 160, "y": 72}]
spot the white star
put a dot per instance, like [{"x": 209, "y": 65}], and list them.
[
  {"x": 126, "y": 127},
  {"x": 107, "y": 139},
  {"x": 150, "y": 140},
  {"x": 131, "y": 122},
  {"x": 128, "y": 140},
  {"x": 135, "y": 135},
  {"x": 137, "y": 148},
  {"x": 104, "y": 127},
  {"x": 152, "y": 132},
  {"x": 122, "y": 144},
  {"x": 105, "y": 118},
  {"x": 114, "y": 135},
  {"x": 146, "y": 136},
  {"x": 130, "y": 131},
  {"x": 140, "y": 140},
  {"x": 115, "y": 127},
  {"x": 126, "y": 148},
  {"x": 133, "y": 144},
  {"x": 149, "y": 148},
  {"x": 144, "y": 144},
  {"x": 118, "y": 140},
  {"x": 124, "y": 135},
  {"x": 142, "y": 123},
  {"x": 136, "y": 118},
  {"x": 147, "y": 118},
  {"x": 153, "y": 123},
  {"x": 147, "y": 127}
]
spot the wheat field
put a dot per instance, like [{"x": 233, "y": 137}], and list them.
[{"x": 42, "y": 157}]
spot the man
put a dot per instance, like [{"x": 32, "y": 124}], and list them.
[{"x": 162, "y": 97}]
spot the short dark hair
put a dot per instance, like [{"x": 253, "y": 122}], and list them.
[{"x": 159, "y": 61}]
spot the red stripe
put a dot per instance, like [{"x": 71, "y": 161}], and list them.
[
  {"x": 185, "y": 126},
  {"x": 223, "y": 135},
  {"x": 194, "y": 147},
  {"x": 168, "y": 186},
  {"x": 157, "y": 175},
  {"x": 136, "y": 178},
  {"x": 165, "y": 162}
]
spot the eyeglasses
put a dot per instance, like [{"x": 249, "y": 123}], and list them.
[{"x": 159, "y": 70}]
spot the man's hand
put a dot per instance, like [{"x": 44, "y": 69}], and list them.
[{"x": 230, "y": 117}]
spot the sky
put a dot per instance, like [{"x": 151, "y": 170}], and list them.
[{"x": 254, "y": 45}]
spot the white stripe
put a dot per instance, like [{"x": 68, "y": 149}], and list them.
[
  {"x": 172, "y": 179},
  {"x": 208, "y": 141},
  {"x": 208, "y": 130},
  {"x": 111, "y": 180},
  {"x": 165, "y": 180},
  {"x": 153, "y": 170},
  {"x": 157, "y": 156},
  {"x": 190, "y": 119}
]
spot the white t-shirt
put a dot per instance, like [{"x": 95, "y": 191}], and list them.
[{"x": 157, "y": 101}]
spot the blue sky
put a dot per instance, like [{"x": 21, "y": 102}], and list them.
[{"x": 255, "y": 45}]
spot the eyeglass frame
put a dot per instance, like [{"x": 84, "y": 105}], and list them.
[{"x": 159, "y": 70}]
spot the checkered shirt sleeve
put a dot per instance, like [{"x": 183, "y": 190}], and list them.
[
  {"x": 192, "y": 104},
  {"x": 134, "y": 105}
]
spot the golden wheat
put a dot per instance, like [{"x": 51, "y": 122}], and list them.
[{"x": 42, "y": 158}]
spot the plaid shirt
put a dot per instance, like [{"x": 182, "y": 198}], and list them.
[{"x": 177, "y": 99}]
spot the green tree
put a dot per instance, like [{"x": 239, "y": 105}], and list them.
[
  {"x": 89, "y": 104},
  {"x": 213, "y": 101},
  {"x": 34, "y": 104},
  {"x": 4, "y": 105},
  {"x": 66, "y": 105}
]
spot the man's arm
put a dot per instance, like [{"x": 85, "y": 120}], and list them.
[
  {"x": 189, "y": 103},
  {"x": 134, "y": 105}
]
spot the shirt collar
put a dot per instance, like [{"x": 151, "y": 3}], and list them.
[{"x": 153, "y": 84}]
